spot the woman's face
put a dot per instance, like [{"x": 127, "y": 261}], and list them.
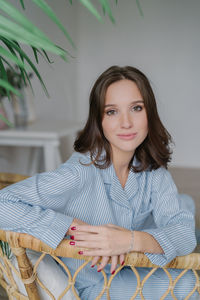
[{"x": 124, "y": 122}]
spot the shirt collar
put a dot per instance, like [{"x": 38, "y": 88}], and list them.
[{"x": 109, "y": 173}]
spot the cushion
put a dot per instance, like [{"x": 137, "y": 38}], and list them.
[{"x": 50, "y": 274}]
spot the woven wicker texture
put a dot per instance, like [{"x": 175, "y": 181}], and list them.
[{"x": 19, "y": 242}]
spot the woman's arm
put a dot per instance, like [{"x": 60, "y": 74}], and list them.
[
  {"x": 37, "y": 205},
  {"x": 175, "y": 230},
  {"x": 145, "y": 242}
]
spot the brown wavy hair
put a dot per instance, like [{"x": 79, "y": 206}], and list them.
[{"x": 154, "y": 151}]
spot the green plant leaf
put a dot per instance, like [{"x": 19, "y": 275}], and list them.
[
  {"x": 19, "y": 50},
  {"x": 16, "y": 15},
  {"x": 13, "y": 51},
  {"x": 22, "y": 4},
  {"x": 139, "y": 8},
  {"x": 31, "y": 42},
  {"x": 9, "y": 87},
  {"x": 3, "y": 75},
  {"x": 49, "y": 12},
  {"x": 47, "y": 57},
  {"x": 70, "y": 1},
  {"x": 24, "y": 74},
  {"x": 106, "y": 8},
  {"x": 35, "y": 54},
  {"x": 104, "y": 11},
  {"x": 6, "y": 121},
  {"x": 14, "y": 31},
  {"x": 91, "y": 8},
  {"x": 13, "y": 45},
  {"x": 13, "y": 58},
  {"x": 10, "y": 66},
  {"x": 42, "y": 53}
]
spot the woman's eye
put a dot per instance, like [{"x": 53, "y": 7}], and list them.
[
  {"x": 111, "y": 112},
  {"x": 137, "y": 108}
]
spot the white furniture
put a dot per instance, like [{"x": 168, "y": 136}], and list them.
[{"x": 45, "y": 134}]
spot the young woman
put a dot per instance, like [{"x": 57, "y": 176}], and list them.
[{"x": 114, "y": 195}]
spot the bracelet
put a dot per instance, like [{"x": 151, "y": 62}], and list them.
[{"x": 131, "y": 244}]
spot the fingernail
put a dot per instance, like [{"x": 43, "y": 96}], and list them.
[
  {"x": 73, "y": 228},
  {"x": 80, "y": 252},
  {"x": 99, "y": 270},
  {"x": 72, "y": 243},
  {"x": 92, "y": 266},
  {"x": 113, "y": 272},
  {"x": 71, "y": 237},
  {"x": 122, "y": 263}
]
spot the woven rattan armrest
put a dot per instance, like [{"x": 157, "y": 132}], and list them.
[{"x": 20, "y": 241}]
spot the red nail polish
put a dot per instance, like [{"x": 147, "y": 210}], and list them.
[
  {"x": 113, "y": 272},
  {"x": 122, "y": 263},
  {"x": 71, "y": 237},
  {"x": 73, "y": 228},
  {"x": 72, "y": 243},
  {"x": 92, "y": 266},
  {"x": 99, "y": 270},
  {"x": 80, "y": 252}
]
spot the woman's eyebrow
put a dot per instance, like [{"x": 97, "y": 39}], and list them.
[{"x": 134, "y": 102}]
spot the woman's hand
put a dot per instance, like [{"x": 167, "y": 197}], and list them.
[
  {"x": 104, "y": 259},
  {"x": 75, "y": 223},
  {"x": 104, "y": 262},
  {"x": 106, "y": 240}
]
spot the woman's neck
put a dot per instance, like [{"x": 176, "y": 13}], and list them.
[{"x": 121, "y": 165}]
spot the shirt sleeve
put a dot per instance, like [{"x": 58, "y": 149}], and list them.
[
  {"x": 36, "y": 205},
  {"x": 175, "y": 230}
]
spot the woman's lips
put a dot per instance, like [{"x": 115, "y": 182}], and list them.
[{"x": 127, "y": 136}]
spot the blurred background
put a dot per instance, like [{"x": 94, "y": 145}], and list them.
[{"x": 164, "y": 43}]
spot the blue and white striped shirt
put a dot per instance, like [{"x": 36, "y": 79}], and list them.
[{"x": 45, "y": 205}]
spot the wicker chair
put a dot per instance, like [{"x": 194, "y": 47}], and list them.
[{"x": 19, "y": 242}]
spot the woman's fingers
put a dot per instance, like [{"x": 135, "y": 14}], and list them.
[
  {"x": 95, "y": 261},
  {"x": 94, "y": 252},
  {"x": 75, "y": 223},
  {"x": 103, "y": 263},
  {"x": 85, "y": 244},
  {"x": 122, "y": 259},
  {"x": 113, "y": 266},
  {"x": 80, "y": 236},
  {"x": 87, "y": 228}
]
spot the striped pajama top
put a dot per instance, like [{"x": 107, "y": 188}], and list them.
[{"x": 45, "y": 205}]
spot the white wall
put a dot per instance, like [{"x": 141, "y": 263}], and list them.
[{"x": 164, "y": 44}]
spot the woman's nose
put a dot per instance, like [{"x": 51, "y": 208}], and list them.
[{"x": 126, "y": 121}]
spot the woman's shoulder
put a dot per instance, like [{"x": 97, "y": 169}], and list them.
[
  {"x": 155, "y": 177},
  {"x": 161, "y": 173},
  {"x": 81, "y": 162},
  {"x": 162, "y": 177}
]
